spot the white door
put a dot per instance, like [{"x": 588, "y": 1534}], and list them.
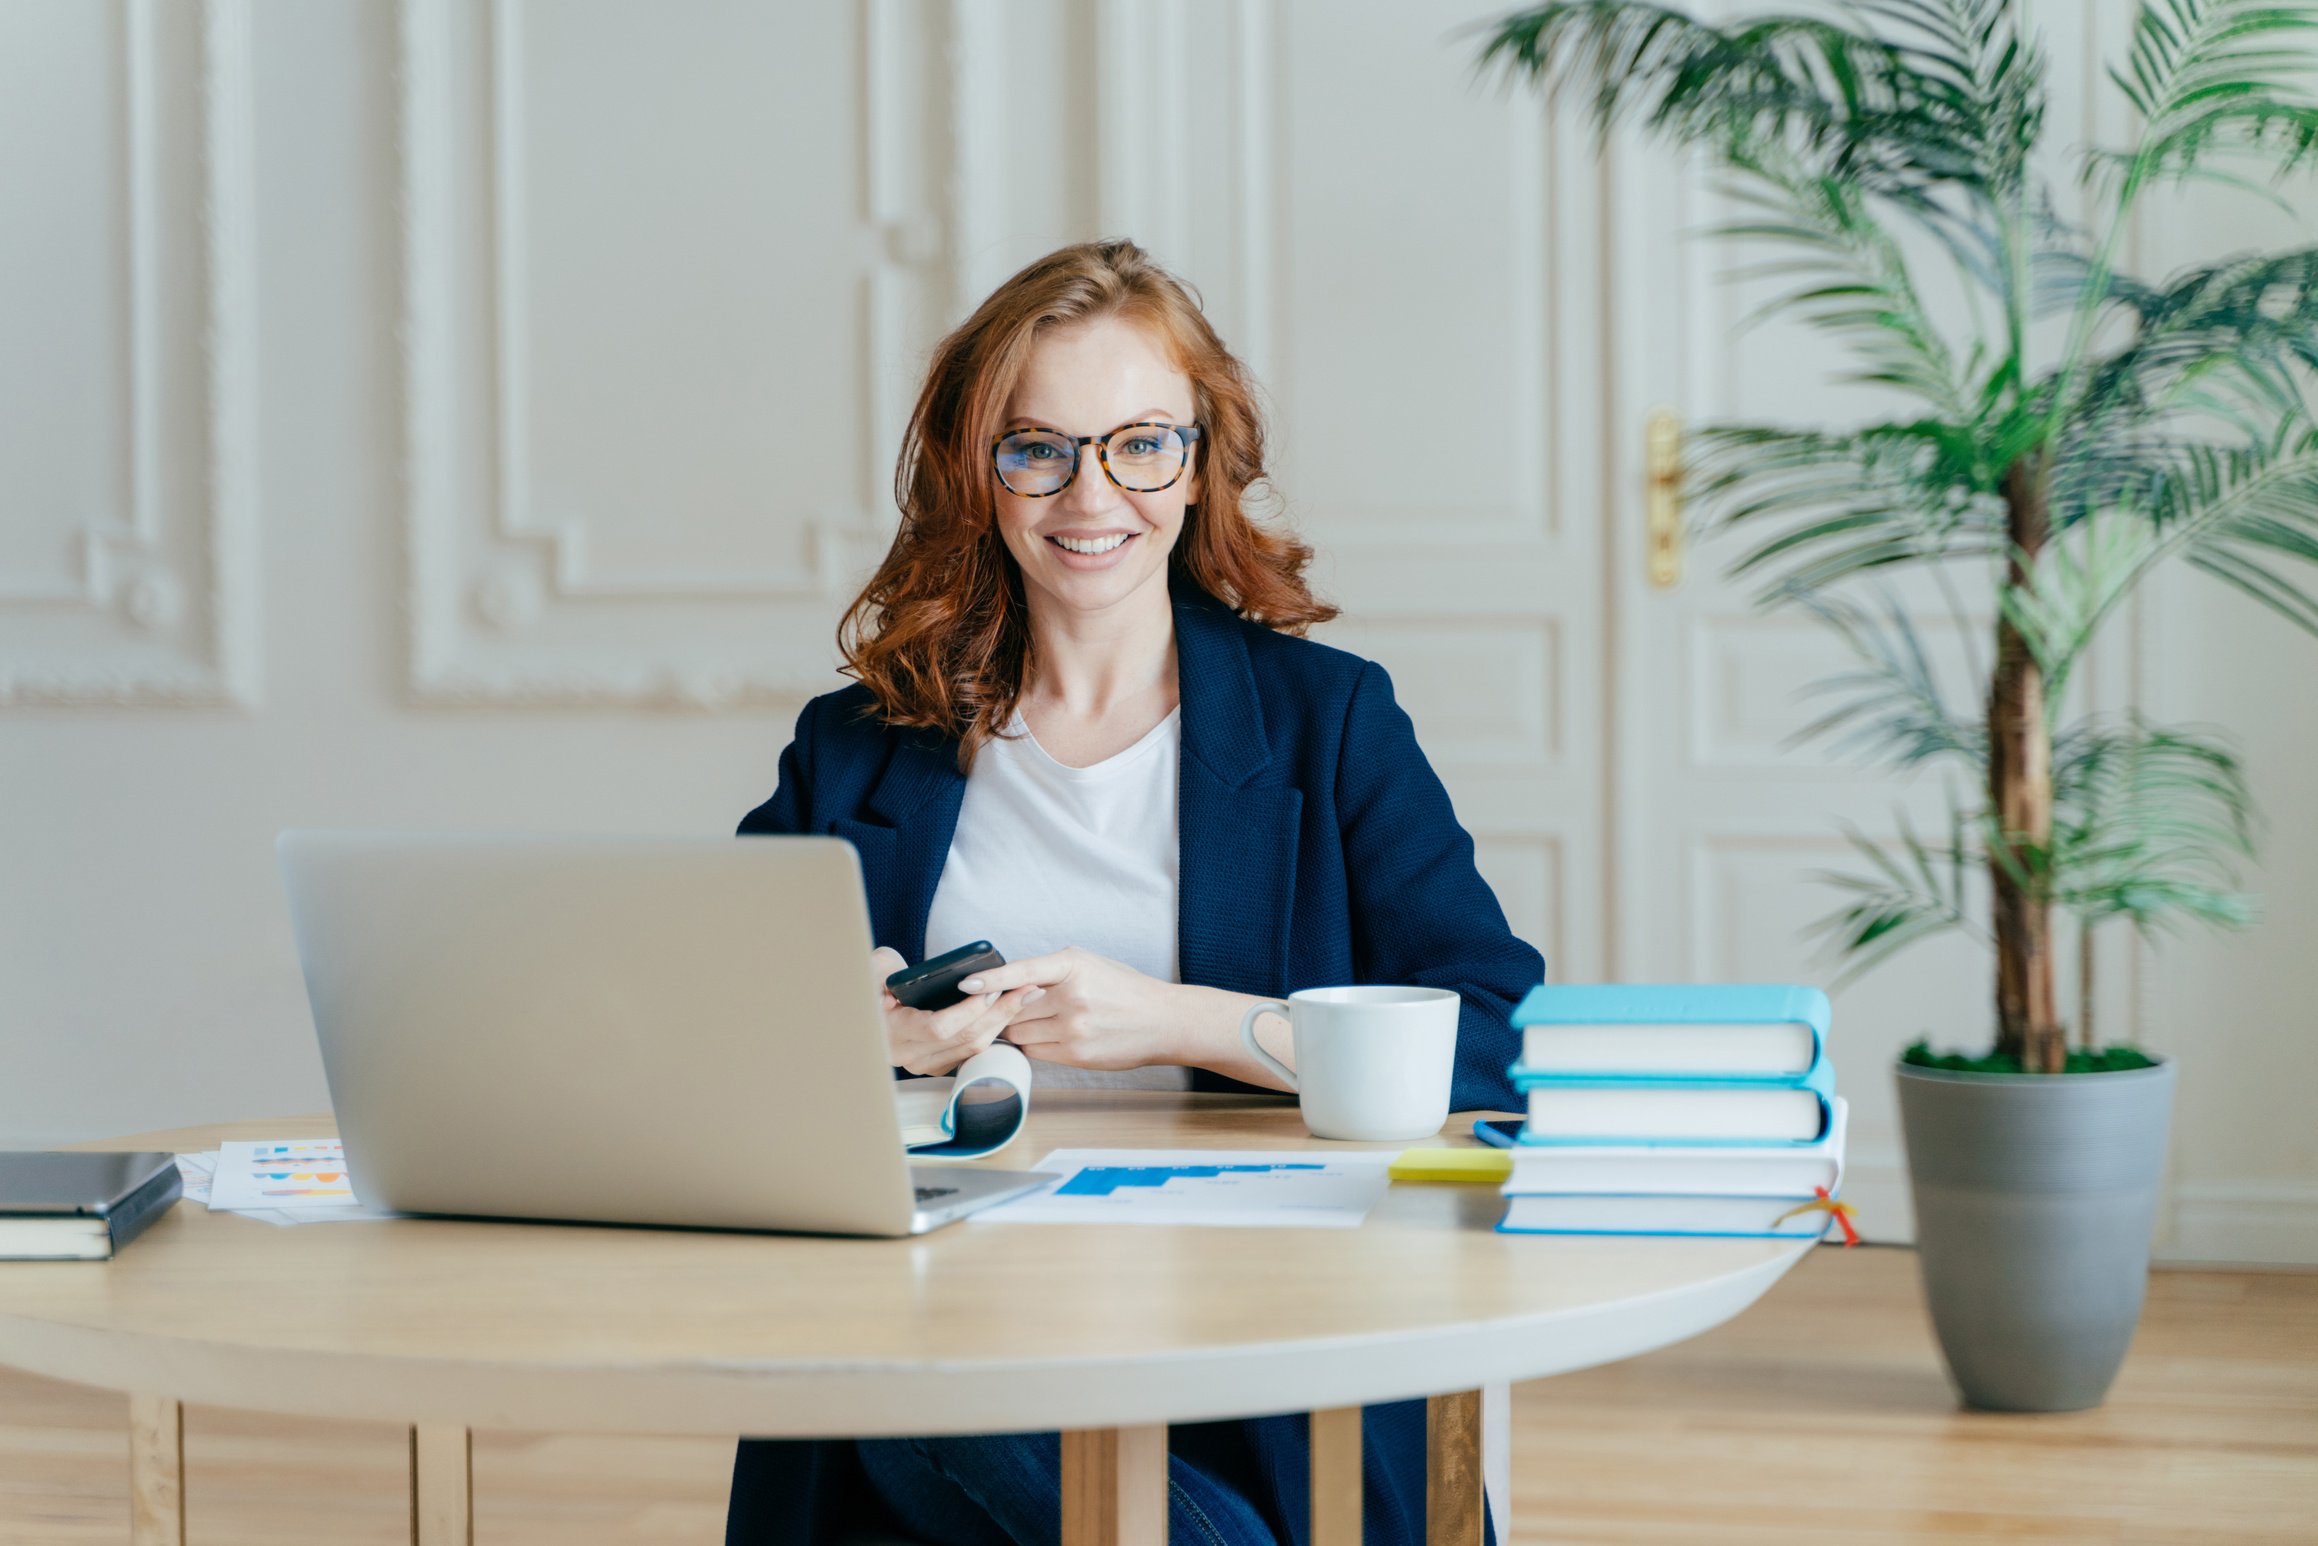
[{"x": 1434, "y": 358}]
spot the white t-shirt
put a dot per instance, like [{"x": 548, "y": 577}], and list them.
[{"x": 1047, "y": 856}]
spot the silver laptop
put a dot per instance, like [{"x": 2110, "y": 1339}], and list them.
[{"x": 630, "y": 1031}]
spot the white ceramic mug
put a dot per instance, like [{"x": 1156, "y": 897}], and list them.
[{"x": 1371, "y": 1063}]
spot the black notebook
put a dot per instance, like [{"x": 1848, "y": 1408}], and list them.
[{"x": 80, "y": 1207}]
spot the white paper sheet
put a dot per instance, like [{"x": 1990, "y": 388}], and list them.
[
  {"x": 334, "y": 1215},
  {"x": 1245, "y": 1189},
  {"x": 196, "y": 1171}
]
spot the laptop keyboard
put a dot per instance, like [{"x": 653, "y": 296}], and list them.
[{"x": 929, "y": 1193}]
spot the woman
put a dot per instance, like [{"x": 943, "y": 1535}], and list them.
[{"x": 1086, "y": 727}]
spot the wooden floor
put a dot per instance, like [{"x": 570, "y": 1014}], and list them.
[
  {"x": 1822, "y": 1416},
  {"x": 1819, "y": 1417}
]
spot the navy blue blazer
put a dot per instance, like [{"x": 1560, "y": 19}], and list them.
[{"x": 1318, "y": 846}]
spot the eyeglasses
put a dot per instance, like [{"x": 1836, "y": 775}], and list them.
[{"x": 1140, "y": 458}]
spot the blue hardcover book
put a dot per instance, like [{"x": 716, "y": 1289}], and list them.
[
  {"x": 1792, "y": 1171},
  {"x": 1745, "y": 1218},
  {"x": 1622, "y": 1109},
  {"x": 1771, "y": 1032}
]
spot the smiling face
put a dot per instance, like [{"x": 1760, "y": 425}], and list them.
[{"x": 1096, "y": 545}]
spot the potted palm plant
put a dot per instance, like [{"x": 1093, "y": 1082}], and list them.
[{"x": 2172, "y": 422}]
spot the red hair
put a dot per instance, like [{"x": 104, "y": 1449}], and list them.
[{"x": 940, "y": 635}]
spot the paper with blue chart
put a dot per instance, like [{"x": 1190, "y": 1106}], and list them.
[{"x": 1249, "y": 1189}]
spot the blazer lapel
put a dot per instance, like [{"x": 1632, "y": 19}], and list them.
[
  {"x": 902, "y": 851},
  {"x": 1236, "y": 826}
]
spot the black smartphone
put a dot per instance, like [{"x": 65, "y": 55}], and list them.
[{"x": 934, "y": 984}]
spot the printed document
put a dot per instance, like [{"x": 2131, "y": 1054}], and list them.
[
  {"x": 1247, "y": 1189},
  {"x": 295, "y": 1181}
]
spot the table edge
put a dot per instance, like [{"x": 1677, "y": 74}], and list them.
[{"x": 866, "y": 1398}]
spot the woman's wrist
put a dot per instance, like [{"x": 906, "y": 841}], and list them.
[{"x": 1206, "y": 1025}]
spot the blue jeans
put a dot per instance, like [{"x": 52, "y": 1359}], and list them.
[
  {"x": 980, "y": 1490},
  {"x": 1242, "y": 1482}
]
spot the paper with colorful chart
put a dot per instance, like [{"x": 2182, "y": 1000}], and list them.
[
  {"x": 1248, "y": 1189},
  {"x": 291, "y": 1174}
]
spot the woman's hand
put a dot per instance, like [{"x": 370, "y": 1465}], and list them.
[
  {"x": 1093, "y": 1013},
  {"x": 936, "y": 1041},
  {"x": 1089, "y": 1011}
]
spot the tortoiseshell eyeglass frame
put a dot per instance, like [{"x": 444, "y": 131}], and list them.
[{"x": 1187, "y": 433}]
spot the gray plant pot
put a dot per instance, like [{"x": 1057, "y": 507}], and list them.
[{"x": 2035, "y": 1197}]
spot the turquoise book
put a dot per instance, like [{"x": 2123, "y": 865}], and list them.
[
  {"x": 1628, "y": 1109},
  {"x": 1772, "y": 1033}
]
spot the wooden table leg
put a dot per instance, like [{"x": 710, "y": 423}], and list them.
[
  {"x": 1453, "y": 1502},
  {"x": 1336, "y": 1477},
  {"x": 156, "y": 1471},
  {"x": 1114, "y": 1486},
  {"x": 442, "y": 1486}
]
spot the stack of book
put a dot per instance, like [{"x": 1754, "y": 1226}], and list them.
[{"x": 1675, "y": 1110}]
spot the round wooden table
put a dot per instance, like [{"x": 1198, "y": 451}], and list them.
[{"x": 1105, "y": 1332}]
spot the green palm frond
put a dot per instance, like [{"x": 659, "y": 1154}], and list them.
[
  {"x": 2207, "y": 76},
  {"x": 1824, "y": 506},
  {"x": 2147, "y": 824},
  {"x": 1891, "y": 711},
  {"x": 2079, "y": 580},
  {"x": 2211, "y": 76},
  {"x": 2231, "y": 512},
  {"x": 2062, "y": 273},
  {"x": 1894, "y": 120},
  {"x": 1848, "y": 275},
  {"x": 1844, "y": 129},
  {"x": 2259, "y": 312},
  {"x": 1974, "y": 49},
  {"x": 1901, "y": 897}
]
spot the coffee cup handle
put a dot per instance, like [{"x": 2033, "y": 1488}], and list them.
[{"x": 1247, "y": 1036}]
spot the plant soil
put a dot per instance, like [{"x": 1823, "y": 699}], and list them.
[{"x": 2080, "y": 1060}]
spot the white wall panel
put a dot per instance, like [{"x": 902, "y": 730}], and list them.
[
  {"x": 1414, "y": 351},
  {"x": 1526, "y": 873},
  {"x": 1433, "y": 359},
  {"x": 128, "y": 554},
  {"x": 659, "y": 263},
  {"x": 1482, "y": 690}
]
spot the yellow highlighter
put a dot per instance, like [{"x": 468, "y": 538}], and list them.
[{"x": 1472, "y": 1167}]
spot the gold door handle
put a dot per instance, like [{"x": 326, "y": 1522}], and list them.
[{"x": 1662, "y": 440}]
